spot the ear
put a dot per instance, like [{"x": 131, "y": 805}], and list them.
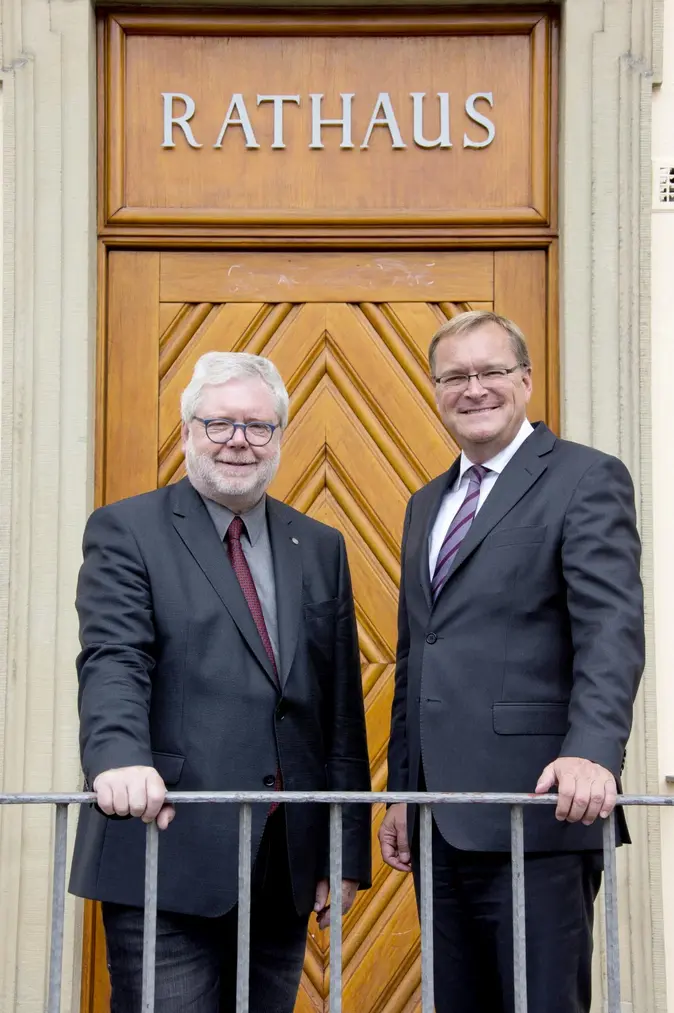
[
  {"x": 437, "y": 390},
  {"x": 527, "y": 383},
  {"x": 184, "y": 434}
]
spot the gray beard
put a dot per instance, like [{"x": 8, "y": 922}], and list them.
[{"x": 241, "y": 493}]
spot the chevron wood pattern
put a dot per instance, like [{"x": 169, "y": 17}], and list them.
[{"x": 363, "y": 435}]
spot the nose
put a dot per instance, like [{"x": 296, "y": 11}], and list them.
[
  {"x": 475, "y": 388},
  {"x": 237, "y": 439}
]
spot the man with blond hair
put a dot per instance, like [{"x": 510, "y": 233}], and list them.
[
  {"x": 520, "y": 649},
  {"x": 219, "y": 653}
]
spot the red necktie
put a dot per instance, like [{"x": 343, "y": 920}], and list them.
[{"x": 245, "y": 579}]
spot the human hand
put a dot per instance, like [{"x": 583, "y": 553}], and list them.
[
  {"x": 322, "y": 908},
  {"x": 586, "y": 789},
  {"x": 135, "y": 791},
  {"x": 395, "y": 849}
]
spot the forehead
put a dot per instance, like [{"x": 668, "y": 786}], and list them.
[
  {"x": 245, "y": 397},
  {"x": 486, "y": 345}
]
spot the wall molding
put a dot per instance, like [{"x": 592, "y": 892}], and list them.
[
  {"x": 605, "y": 220},
  {"x": 46, "y": 478}
]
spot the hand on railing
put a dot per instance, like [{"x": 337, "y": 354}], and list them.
[
  {"x": 322, "y": 908},
  {"x": 395, "y": 849},
  {"x": 586, "y": 790},
  {"x": 134, "y": 791}
]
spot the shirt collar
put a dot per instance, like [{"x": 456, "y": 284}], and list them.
[
  {"x": 253, "y": 520},
  {"x": 498, "y": 462}
]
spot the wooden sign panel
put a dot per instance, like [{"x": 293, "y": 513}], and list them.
[{"x": 218, "y": 121}]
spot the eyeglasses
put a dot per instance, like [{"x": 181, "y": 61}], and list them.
[
  {"x": 488, "y": 378},
  {"x": 257, "y": 434}
]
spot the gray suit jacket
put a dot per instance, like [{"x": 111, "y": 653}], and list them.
[
  {"x": 173, "y": 674},
  {"x": 534, "y": 648}
]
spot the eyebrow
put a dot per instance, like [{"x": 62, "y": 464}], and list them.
[{"x": 463, "y": 371}]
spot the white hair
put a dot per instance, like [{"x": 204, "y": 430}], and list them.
[{"x": 220, "y": 367}]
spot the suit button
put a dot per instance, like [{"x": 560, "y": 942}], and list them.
[
  {"x": 269, "y": 780},
  {"x": 431, "y": 638},
  {"x": 281, "y": 709}
]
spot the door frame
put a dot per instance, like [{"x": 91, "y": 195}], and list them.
[{"x": 118, "y": 233}]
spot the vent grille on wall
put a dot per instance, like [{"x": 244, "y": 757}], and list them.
[{"x": 663, "y": 184}]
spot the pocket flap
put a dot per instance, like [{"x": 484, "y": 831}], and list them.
[
  {"x": 169, "y": 766},
  {"x": 318, "y": 609},
  {"x": 518, "y": 536},
  {"x": 531, "y": 718}
]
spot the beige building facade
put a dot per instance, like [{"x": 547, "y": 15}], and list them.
[{"x": 615, "y": 301}]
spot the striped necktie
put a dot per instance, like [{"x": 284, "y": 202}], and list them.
[{"x": 458, "y": 529}]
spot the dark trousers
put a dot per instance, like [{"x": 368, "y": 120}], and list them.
[
  {"x": 473, "y": 936},
  {"x": 196, "y": 957}
]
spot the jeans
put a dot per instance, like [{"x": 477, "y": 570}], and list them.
[{"x": 196, "y": 957}]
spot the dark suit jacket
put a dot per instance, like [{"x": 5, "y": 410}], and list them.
[
  {"x": 534, "y": 648},
  {"x": 173, "y": 674}
]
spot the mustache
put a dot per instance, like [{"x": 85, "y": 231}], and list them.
[{"x": 204, "y": 474}]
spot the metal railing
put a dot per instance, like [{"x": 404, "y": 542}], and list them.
[{"x": 245, "y": 799}]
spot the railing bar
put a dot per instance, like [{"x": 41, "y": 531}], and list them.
[
  {"x": 243, "y": 930},
  {"x": 418, "y": 798},
  {"x": 335, "y": 996},
  {"x": 332, "y": 797},
  {"x": 611, "y": 914},
  {"x": 519, "y": 918},
  {"x": 150, "y": 917},
  {"x": 58, "y": 907},
  {"x": 426, "y": 915}
]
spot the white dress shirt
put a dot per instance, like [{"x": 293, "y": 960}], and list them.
[{"x": 456, "y": 495}]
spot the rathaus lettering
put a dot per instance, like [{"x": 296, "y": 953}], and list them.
[{"x": 179, "y": 109}]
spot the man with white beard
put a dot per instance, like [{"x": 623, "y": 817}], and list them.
[{"x": 219, "y": 652}]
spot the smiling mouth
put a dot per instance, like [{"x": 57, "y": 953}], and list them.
[{"x": 480, "y": 411}]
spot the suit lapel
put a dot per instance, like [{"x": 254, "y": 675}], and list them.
[
  {"x": 432, "y": 501},
  {"x": 195, "y": 527},
  {"x": 287, "y": 557},
  {"x": 513, "y": 483}
]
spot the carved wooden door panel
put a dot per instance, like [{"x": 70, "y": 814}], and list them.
[{"x": 349, "y": 333}]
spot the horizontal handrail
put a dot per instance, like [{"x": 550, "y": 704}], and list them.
[{"x": 333, "y": 797}]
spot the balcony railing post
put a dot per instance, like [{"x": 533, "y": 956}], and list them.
[
  {"x": 58, "y": 908},
  {"x": 243, "y": 928},
  {"x": 611, "y": 913},
  {"x": 426, "y": 913},
  {"x": 519, "y": 915},
  {"x": 150, "y": 917},
  {"x": 335, "y": 909}
]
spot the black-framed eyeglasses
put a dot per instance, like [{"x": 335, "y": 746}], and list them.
[
  {"x": 257, "y": 434},
  {"x": 486, "y": 378}
]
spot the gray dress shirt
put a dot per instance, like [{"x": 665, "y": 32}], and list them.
[{"x": 257, "y": 550}]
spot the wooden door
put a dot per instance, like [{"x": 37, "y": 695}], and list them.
[{"x": 349, "y": 333}]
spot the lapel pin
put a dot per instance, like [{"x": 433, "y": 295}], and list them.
[{"x": 295, "y": 541}]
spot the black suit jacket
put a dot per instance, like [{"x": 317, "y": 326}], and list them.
[
  {"x": 173, "y": 674},
  {"x": 534, "y": 648}
]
